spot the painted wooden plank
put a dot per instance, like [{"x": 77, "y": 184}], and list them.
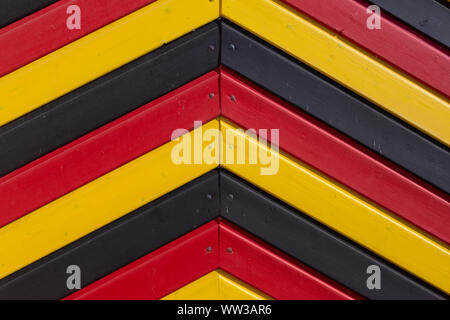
[
  {"x": 393, "y": 42},
  {"x": 336, "y": 106},
  {"x": 120, "y": 243},
  {"x": 217, "y": 285},
  {"x": 12, "y": 10},
  {"x": 337, "y": 156},
  {"x": 315, "y": 245},
  {"x": 108, "y": 98},
  {"x": 96, "y": 204},
  {"x": 272, "y": 272},
  {"x": 114, "y": 246},
  {"x": 46, "y": 30},
  {"x": 100, "y": 52},
  {"x": 342, "y": 210},
  {"x": 429, "y": 17},
  {"x": 107, "y": 148},
  {"x": 161, "y": 272},
  {"x": 341, "y": 61},
  {"x": 136, "y": 281}
]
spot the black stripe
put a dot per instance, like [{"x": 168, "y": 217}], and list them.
[
  {"x": 109, "y": 97},
  {"x": 429, "y": 17},
  {"x": 313, "y": 244},
  {"x": 445, "y": 3},
  {"x": 119, "y": 243},
  {"x": 181, "y": 211},
  {"x": 13, "y": 10},
  {"x": 335, "y": 105}
]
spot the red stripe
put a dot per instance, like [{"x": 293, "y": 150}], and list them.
[
  {"x": 45, "y": 31},
  {"x": 394, "y": 42},
  {"x": 107, "y": 148},
  {"x": 187, "y": 258},
  {"x": 273, "y": 272},
  {"x": 161, "y": 272},
  {"x": 337, "y": 156}
]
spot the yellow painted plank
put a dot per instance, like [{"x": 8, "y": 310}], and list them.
[
  {"x": 344, "y": 62},
  {"x": 341, "y": 209},
  {"x": 217, "y": 285},
  {"x": 205, "y": 288},
  {"x": 232, "y": 288},
  {"x": 99, "y": 53},
  {"x": 96, "y": 204}
]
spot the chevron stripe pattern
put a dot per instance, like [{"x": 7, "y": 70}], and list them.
[{"x": 224, "y": 150}]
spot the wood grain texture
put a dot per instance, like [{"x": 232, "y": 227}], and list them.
[
  {"x": 338, "y": 157},
  {"x": 344, "y": 211},
  {"x": 343, "y": 62},
  {"x": 100, "y": 52},
  {"x": 107, "y": 148},
  {"x": 394, "y": 42},
  {"x": 95, "y": 204},
  {"x": 45, "y": 30}
]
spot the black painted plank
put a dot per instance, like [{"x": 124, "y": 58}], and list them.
[
  {"x": 445, "y": 3},
  {"x": 181, "y": 211},
  {"x": 429, "y": 17},
  {"x": 335, "y": 105},
  {"x": 109, "y": 97},
  {"x": 119, "y": 243},
  {"x": 314, "y": 244},
  {"x": 13, "y": 10}
]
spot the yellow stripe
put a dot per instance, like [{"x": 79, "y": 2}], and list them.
[
  {"x": 344, "y": 62},
  {"x": 154, "y": 174},
  {"x": 344, "y": 211},
  {"x": 217, "y": 285},
  {"x": 99, "y": 53},
  {"x": 95, "y": 204}
]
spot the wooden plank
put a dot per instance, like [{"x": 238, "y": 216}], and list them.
[
  {"x": 96, "y": 204},
  {"x": 342, "y": 210},
  {"x": 341, "y": 61},
  {"x": 120, "y": 243},
  {"x": 337, "y": 156},
  {"x": 429, "y": 17},
  {"x": 314, "y": 244},
  {"x": 217, "y": 285},
  {"x": 107, "y": 148},
  {"x": 161, "y": 272},
  {"x": 273, "y": 272},
  {"x": 46, "y": 30},
  {"x": 136, "y": 281},
  {"x": 352, "y": 115},
  {"x": 12, "y": 10},
  {"x": 100, "y": 52},
  {"x": 393, "y": 42},
  {"x": 127, "y": 239},
  {"x": 108, "y": 98}
]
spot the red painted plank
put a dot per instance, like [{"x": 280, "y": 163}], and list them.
[
  {"x": 204, "y": 250},
  {"x": 45, "y": 31},
  {"x": 273, "y": 272},
  {"x": 338, "y": 156},
  {"x": 107, "y": 148},
  {"x": 161, "y": 272},
  {"x": 394, "y": 42}
]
